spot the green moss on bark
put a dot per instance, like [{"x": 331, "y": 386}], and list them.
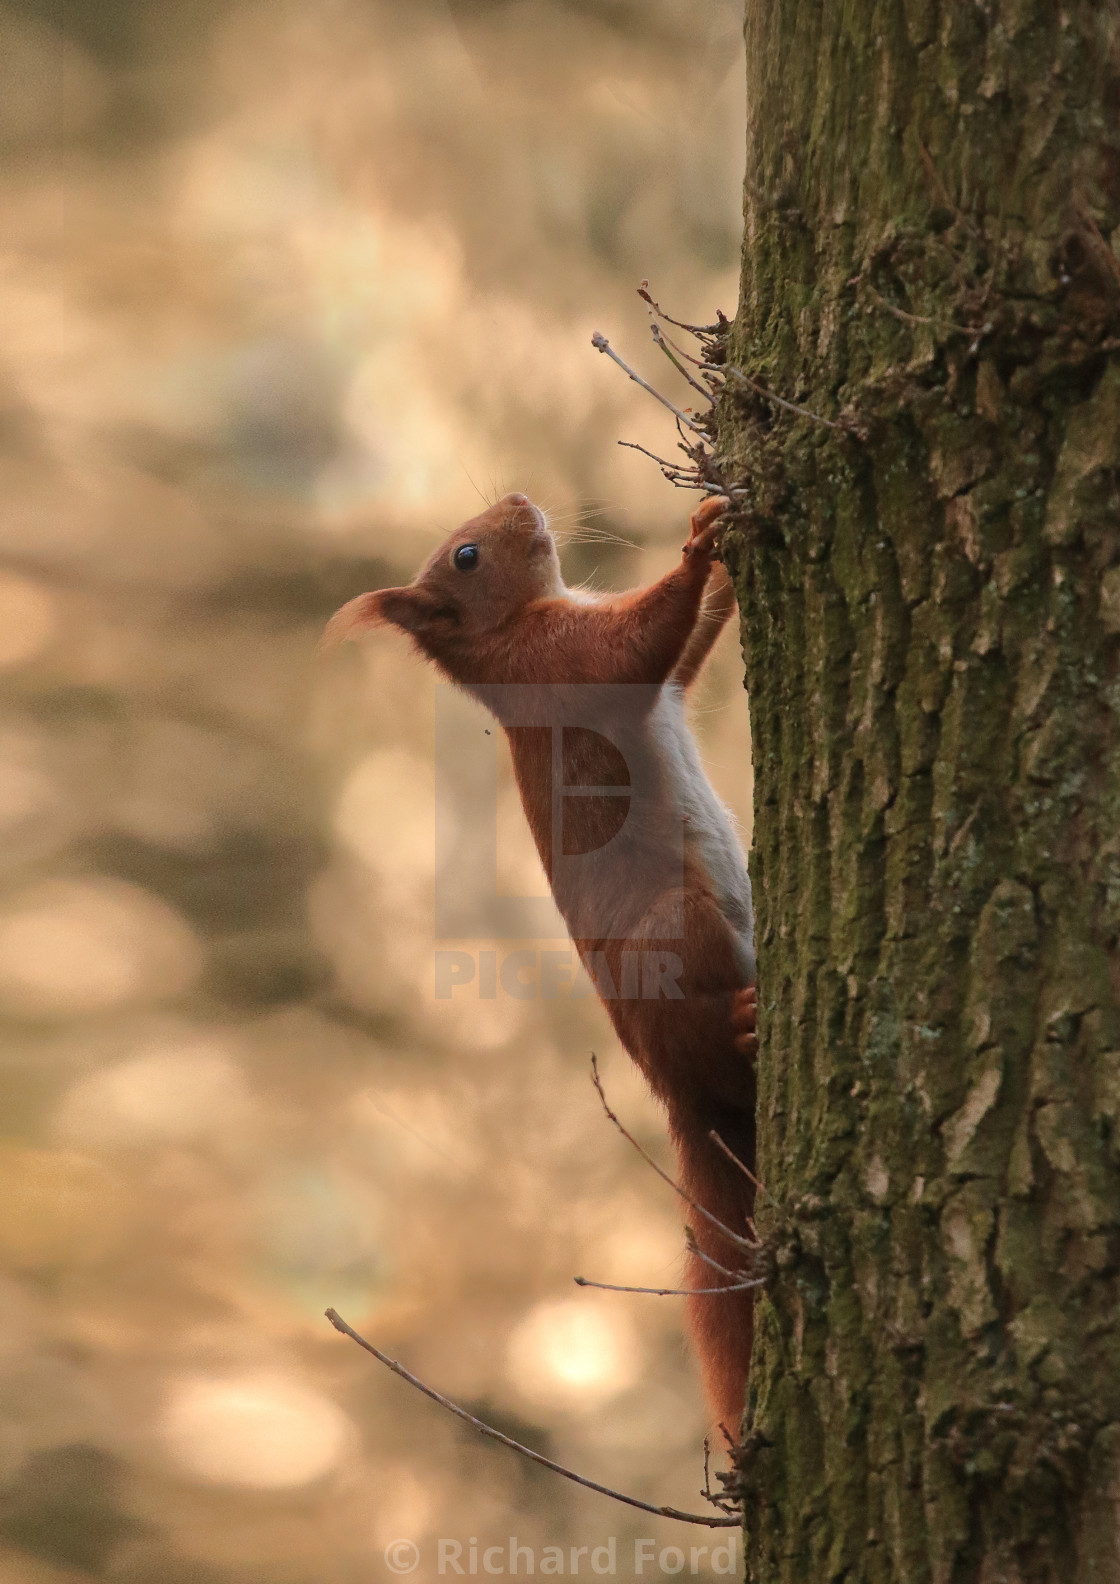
[{"x": 931, "y": 628}]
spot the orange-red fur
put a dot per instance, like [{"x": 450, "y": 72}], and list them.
[{"x": 511, "y": 621}]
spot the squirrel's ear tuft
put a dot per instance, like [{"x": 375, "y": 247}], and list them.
[
  {"x": 410, "y": 609},
  {"x": 355, "y": 617}
]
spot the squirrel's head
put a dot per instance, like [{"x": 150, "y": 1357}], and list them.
[{"x": 487, "y": 571}]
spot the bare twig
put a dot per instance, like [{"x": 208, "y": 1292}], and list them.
[
  {"x": 680, "y": 477},
  {"x": 746, "y": 1171},
  {"x": 780, "y": 401},
  {"x": 702, "y": 332},
  {"x": 703, "y": 473},
  {"x": 689, "y": 450},
  {"x": 670, "y": 1292},
  {"x": 707, "y": 369},
  {"x": 733, "y": 1237},
  {"x": 663, "y": 343},
  {"x": 694, "y": 1248},
  {"x": 663, "y": 464},
  {"x": 724, "y": 1502},
  {"x": 601, "y": 344},
  {"x": 340, "y": 1324}
]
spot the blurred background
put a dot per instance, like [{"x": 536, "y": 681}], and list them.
[{"x": 286, "y": 288}]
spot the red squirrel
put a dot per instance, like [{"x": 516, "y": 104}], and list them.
[{"x": 653, "y": 885}]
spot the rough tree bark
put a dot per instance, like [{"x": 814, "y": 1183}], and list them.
[{"x": 931, "y": 627}]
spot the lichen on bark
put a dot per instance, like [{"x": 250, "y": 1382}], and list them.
[{"x": 930, "y": 599}]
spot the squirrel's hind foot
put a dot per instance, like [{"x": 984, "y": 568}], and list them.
[{"x": 744, "y": 1021}]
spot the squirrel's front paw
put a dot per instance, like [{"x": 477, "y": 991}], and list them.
[
  {"x": 744, "y": 1019},
  {"x": 704, "y": 525}
]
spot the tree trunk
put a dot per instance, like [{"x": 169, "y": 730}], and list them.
[{"x": 930, "y": 589}]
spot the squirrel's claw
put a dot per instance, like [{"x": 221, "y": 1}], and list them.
[
  {"x": 704, "y": 525},
  {"x": 744, "y": 1021}
]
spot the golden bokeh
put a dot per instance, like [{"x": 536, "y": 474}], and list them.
[{"x": 284, "y": 290}]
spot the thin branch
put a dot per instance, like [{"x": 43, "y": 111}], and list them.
[
  {"x": 694, "y": 1248},
  {"x": 680, "y": 478},
  {"x": 746, "y": 1171},
  {"x": 340, "y": 1324},
  {"x": 707, "y": 369},
  {"x": 684, "y": 445},
  {"x": 724, "y": 1502},
  {"x": 699, "y": 331},
  {"x": 601, "y": 344},
  {"x": 732, "y": 1237},
  {"x": 674, "y": 467},
  {"x": 670, "y": 1292},
  {"x": 663, "y": 343},
  {"x": 780, "y": 401}
]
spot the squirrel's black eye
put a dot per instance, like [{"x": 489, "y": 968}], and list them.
[{"x": 465, "y": 558}]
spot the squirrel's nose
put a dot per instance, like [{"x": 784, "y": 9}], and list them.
[{"x": 519, "y": 512}]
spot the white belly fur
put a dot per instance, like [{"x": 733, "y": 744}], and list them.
[{"x": 710, "y": 836}]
